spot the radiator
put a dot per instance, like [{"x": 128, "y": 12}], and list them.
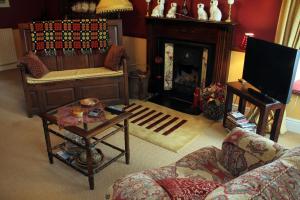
[{"x": 8, "y": 54}]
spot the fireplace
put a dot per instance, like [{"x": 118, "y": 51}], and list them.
[{"x": 183, "y": 55}]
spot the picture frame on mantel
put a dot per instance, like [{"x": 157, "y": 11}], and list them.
[{"x": 4, "y": 4}]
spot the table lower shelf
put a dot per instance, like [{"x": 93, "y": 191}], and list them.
[{"x": 70, "y": 159}]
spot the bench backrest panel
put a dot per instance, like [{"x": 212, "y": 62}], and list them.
[{"x": 57, "y": 63}]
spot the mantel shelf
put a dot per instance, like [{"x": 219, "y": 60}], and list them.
[{"x": 221, "y": 24}]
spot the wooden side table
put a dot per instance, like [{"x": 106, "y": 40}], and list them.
[{"x": 241, "y": 90}]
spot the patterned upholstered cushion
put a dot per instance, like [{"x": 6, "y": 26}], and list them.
[
  {"x": 277, "y": 180},
  {"x": 34, "y": 65},
  {"x": 187, "y": 188},
  {"x": 73, "y": 74},
  {"x": 203, "y": 163},
  {"x": 114, "y": 56},
  {"x": 243, "y": 151}
]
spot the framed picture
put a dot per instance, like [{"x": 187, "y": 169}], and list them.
[{"x": 4, "y": 3}]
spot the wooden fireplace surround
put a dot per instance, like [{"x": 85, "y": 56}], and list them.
[{"x": 217, "y": 34}]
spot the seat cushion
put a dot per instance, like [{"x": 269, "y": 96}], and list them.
[{"x": 74, "y": 74}]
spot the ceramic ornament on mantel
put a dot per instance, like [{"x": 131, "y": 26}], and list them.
[
  {"x": 214, "y": 11},
  {"x": 172, "y": 11},
  {"x": 158, "y": 11},
  {"x": 202, "y": 15}
]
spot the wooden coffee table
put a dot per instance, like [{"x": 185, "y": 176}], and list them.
[{"x": 91, "y": 135}]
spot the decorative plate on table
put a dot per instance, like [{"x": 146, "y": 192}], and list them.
[
  {"x": 89, "y": 102},
  {"x": 97, "y": 158}
]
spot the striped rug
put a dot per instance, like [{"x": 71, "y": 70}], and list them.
[{"x": 162, "y": 126}]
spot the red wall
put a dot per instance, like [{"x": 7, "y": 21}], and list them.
[
  {"x": 257, "y": 16},
  {"x": 28, "y": 10}
]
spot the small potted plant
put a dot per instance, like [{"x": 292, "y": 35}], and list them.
[{"x": 212, "y": 101}]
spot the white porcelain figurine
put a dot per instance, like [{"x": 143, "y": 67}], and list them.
[
  {"x": 214, "y": 11},
  {"x": 158, "y": 11},
  {"x": 172, "y": 11},
  {"x": 202, "y": 15}
]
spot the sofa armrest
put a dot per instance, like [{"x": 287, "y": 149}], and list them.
[
  {"x": 205, "y": 164},
  {"x": 141, "y": 185},
  {"x": 23, "y": 71},
  {"x": 243, "y": 151}
]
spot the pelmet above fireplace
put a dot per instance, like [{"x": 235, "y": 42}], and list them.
[{"x": 185, "y": 54}]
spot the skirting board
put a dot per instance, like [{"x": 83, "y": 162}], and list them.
[
  {"x": 293, "y": 125},
  {"x": 8, "y": 66}
]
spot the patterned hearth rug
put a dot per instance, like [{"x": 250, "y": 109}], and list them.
[{"x": 163, "y": 126}]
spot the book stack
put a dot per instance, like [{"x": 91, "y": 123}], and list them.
[{"x": 238, "y": 119}]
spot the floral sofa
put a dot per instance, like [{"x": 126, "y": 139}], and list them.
[{"x": 249, "y": 166}]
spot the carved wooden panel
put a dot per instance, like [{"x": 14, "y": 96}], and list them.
[{"x": 57, "y": 97}]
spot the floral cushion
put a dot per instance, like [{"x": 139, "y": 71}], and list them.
[
  {"x": 203, "y": 163},
  {"x": 243, "y": 151},
  {"x": 277, "y": 180},
  {"x": 187, "y": 188}
]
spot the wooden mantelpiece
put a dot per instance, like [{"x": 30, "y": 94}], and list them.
[{"x": 217, "y": 34}]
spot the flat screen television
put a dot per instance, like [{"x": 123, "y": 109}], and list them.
[{"x": 270, "y": 68}]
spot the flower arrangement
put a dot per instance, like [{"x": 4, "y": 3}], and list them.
[{"x": 213, "y": 101}]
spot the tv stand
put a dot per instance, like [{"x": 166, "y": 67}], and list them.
[
  {"x": 260, "y": 96},
  {"x": 265, "y": 105}
]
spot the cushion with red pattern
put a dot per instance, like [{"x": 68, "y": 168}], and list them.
[
  {"x": 34, "y": 65},
  {"x": 187, "y": 188}
]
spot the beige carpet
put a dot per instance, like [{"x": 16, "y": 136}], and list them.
[{"x": 25, "y": 172}]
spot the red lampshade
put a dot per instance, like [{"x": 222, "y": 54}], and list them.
[{"x": 245, "y": 39}]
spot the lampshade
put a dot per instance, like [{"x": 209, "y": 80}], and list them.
[
  {"x": 113, "y": 6},
  {"x": 245, "y": 40}
]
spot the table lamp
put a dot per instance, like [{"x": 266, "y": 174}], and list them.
[
  {"x": 243, "y": 44},
  {"x": 106, "y": 7}
]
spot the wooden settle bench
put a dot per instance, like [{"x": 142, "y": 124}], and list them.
[{"x": 75, "y": 76}]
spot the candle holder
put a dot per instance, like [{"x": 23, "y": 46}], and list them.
[
  {"x": 230, "y": 3},
  {"x": 148, "y": 4}
]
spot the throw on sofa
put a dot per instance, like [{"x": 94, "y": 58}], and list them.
[{"x": 249, "y": 166}]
